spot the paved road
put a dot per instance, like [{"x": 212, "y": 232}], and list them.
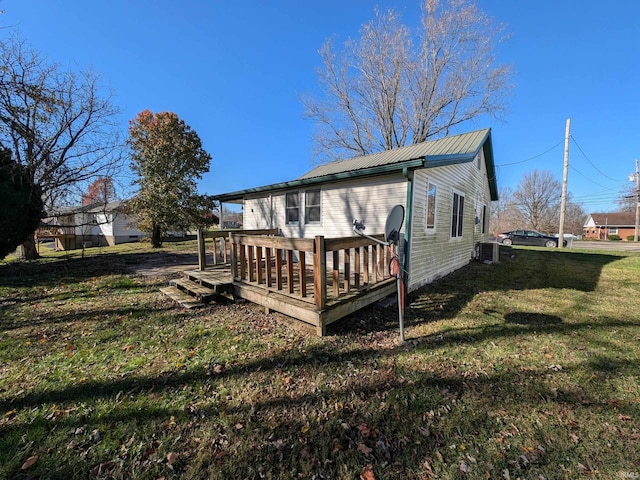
[{"x": 612, "y": 246}]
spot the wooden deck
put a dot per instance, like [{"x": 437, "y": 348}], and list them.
[{"x": 316, "y": 281}]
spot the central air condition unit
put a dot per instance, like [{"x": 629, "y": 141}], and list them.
[{"x": 489, "y": 252}]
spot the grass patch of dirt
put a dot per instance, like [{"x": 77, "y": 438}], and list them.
[{"x": 524, "y": 369}]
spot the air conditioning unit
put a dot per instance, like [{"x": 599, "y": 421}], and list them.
[
  {"x": 87, "y": 244},
  {"x": 489, "y": 252}
]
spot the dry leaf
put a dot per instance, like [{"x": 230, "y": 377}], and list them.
[
  {"x": 172, "y": 457},
  {"x": 464, "y": 467},
  {"x": 367, "y": 473},
  {"x": 364, "y": 449},
  {"x": 364, "y": 430},
  {"x": 30, "y": 462}
]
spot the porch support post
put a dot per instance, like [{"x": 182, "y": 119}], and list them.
[
  {"x": 202, "y": 254},
  {"x": 320, "y": 273}
]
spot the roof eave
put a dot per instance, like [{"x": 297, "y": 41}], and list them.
[{"x": 365, "y": 172}]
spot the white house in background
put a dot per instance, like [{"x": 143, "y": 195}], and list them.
[
  {"x": 445, "y": 185},
  {"x": 90, "y": 226}
]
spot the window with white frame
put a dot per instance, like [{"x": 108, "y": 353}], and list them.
[
  {"x": 430, "y": 208},
  {"x": 312, "y": 210},
  {"x": 613, "y": 230},
  {"x": 485, "y": 219},
  {"x": 457, "y": 215},
  {"x": 292, "y": 207}
]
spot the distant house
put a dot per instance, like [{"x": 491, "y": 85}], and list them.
[
  {"x": 90, "y": 226},
  {"x": 600, "y": 226},
  {"x": 446, "y": 187}
]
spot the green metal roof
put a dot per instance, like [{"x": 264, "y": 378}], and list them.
[{"x": 445, "y": 151}]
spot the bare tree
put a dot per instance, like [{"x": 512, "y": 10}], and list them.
[
  {"x": 504, "y": 215},
  {"x": 537, "y": 200},
  {"x": 394, "y": 87},
  {"x": 574, "y": 218},
  {"x": 627, "y": 202},
  {"x": 57, "y": 122}
]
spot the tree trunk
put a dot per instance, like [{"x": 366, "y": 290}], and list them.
[
  {"x": 156, "y": 237},
  {"x": 28, "y": 250}
]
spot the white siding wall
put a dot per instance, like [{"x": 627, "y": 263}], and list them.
[
  {"x": 368, "y": 200},
  {"x": 433, "y": 255},
  {"x": 436, "y": 254}
]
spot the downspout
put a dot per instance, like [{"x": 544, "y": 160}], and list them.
[{"x": 407, "y": 229}]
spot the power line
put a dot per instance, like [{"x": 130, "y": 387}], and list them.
[
  {"x": 591, "y": 163},
  {"x": 532, "y": 158}
]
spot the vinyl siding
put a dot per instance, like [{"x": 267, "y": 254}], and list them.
[
  {"x": 436, "y": 254},
  {"x": 368, "y": 200}
]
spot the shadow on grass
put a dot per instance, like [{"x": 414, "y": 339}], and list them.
[
  {"x": 518, "y": 269},
  {"x": 136, "y": 399},
  {"x": 49, "y": 272}
]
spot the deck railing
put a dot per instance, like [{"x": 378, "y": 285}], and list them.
[
  {"x": 316, "y": 271},
  {"x": 221, "y": 245}
]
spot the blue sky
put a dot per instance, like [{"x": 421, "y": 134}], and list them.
[{"x": 234, "y": 70}]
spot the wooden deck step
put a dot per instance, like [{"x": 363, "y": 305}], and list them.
[
  {"x": 200, "y": 292},
  {"x": 181, "y": 297}
]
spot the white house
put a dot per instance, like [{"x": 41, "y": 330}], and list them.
[
  {"x": 90, "y": 225},
  {"x": 445, "y": 185}
]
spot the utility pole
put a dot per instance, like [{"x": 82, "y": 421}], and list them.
[
  {"x": 565, "y": 173},
  {"x": 636, "y": 177}
]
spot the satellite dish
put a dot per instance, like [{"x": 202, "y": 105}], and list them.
[{"x": 394, "y": 224}]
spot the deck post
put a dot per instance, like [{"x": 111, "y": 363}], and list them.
[
  {"x": 302, "y": 265},
  {"x": 356, "y": 265},
  {"x": 290, "y": 270},
  {"x": 336, "y": 274},
  {"x": 320, "y": 273},
  {"x": 234, "y": 258},
  {"x": 347, "y": 269},
  {"x": 202, "y": 254}
]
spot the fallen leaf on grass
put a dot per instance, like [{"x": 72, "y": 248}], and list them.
[
  {"x": 172, "y": 457},
  {"x": 364, "y": 430},
  {"x": 367, "y": 473},
  {"x": 30, "y": 462},
  {"x": 364, "y": 449}
]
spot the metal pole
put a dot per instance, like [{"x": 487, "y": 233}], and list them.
[
  {"x": 565, "y": 171},
  {"x": 635, "y": 234},
  {"x": 400, "y": 312}
]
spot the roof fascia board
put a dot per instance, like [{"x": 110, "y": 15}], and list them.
[{"x": 365, "y": 172}]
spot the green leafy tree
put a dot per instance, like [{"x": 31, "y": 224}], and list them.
[
  {"x": 168, "y": 157},
  {"x": 21, "y": 200}
]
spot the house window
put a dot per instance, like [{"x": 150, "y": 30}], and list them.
[
  {"x": 484, "y": 219},
  {"x": 312, "y": 212},
  {"x": 457, "y": 215},
  {"x": 430, "y": 220},
  {"x": 613, "y": 230},
  {"x": 292, "y": 207}
]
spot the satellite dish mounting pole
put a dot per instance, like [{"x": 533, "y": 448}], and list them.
[{"x": 392, "y": 237}]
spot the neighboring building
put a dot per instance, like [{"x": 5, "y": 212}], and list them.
[
  {"x": 445, "y": 185},
  {"x": 90, "y": 226},
  {"x": 600, "y": 226}
]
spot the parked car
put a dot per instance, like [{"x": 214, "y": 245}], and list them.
[{"x": 528, "y": 237}]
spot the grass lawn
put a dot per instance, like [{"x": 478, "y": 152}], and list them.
[{"x": 524, "y": 369}]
